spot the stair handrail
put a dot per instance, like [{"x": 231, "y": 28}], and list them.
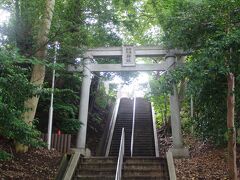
[
  {"x": 155, "y": 131},
  {"x": 112, "y": 126},
  {"x": 120, "y": 157},
  {"x": 133, "y": 124}
]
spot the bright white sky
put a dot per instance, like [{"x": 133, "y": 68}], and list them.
[
  {"x": 4, "y": 16},
  {"x": 133, "y": 89},
  {"x": 136, "y": 87}
]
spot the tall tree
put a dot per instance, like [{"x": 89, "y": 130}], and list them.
[{"x": 38, "y": 72}]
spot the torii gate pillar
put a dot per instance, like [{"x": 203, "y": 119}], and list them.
[
  {"x": 84, "y": 101},
  {"x": 177, "y": 150}
]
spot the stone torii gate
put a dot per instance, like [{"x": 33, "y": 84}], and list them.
[{"x": 128, "y": 54}]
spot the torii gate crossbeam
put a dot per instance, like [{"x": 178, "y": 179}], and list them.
[{"x": 164, "y": 66}]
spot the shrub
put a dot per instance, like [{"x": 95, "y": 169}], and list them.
[
  {"x": 4, "y": 156},
  {"x": 14, "y": 90}
]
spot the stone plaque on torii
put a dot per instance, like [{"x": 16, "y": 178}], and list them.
[{"x": 128, "y": 56}]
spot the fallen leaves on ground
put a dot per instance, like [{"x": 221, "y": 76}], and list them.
[
  {"x": 205, "y": 162},
  {"x": 209, "y": 165},
  {"x": 35, "y": 164}
]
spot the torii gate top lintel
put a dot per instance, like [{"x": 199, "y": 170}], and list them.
[
  {"x": 140, "y": 51},
  {"x": 128, "y": 54}
]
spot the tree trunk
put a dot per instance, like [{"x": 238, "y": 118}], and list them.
[
  {"x": 17, "y": 23},
  {"x": 38, "y": 72},
  {"x": 231, "y": 129}
]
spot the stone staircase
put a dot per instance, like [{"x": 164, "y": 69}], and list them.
[
  {"x": 145, "y": 168},
  {"x": 143, "y": 131},
  {"x": 96, "y": 168},
  {"x": 124, "y": 120},
  {"x": 137, "y": 168},
  {"x": 143, "y": 165}
]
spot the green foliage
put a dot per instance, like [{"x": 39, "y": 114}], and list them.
[
  {"x": 21, "y": 31},
  {"x": 66, "y": 102},
  {"x": 210, "y": 31},
  {"x": 78, "y": 26},
  {"x": 14, "y": 90},
  {"x": 102, "y": 98},
  {"x": 66, "y": 110},
  {"x": 4, "y": 156},
  {"x": 238, "y": 136},
  {"x": 138, "y": 22},
  {"x": 160, "y": 101},
  {"x": 70, "y": 126}
]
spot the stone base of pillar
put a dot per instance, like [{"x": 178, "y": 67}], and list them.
[
  {"x": 84, "y": 152},
  {"x": 180, "y": 152}
]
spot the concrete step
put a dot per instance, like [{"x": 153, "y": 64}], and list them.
[
  {"x": 143, "y": 137},
  {"x": 144, "y": 177},
  {"x": 133, "y": 168},
  {"x": 143, "y": 143},
  {"x": 98, "y": 165},
  {"x": 142, "y": 149},
  {"x": 147, "y": 116},
  {"x": 125, "y": 110},
  {"x": 124, "y": 118},
  {"x": 143, "y": 160},
  {"x": 143, "y": 152},
  {"x": 151, "y": 153},
  {"x": 139, "y": 167},
  {"x": 145, "y": 168},
  {"x": 142, "y": 172},
  {"x": 145, "y": 164},
  {"x": 97, "y": 160},
  {"x": 98, "y": 172},
  {"x": 139, "y": 147},
  {"x": 93, "y": 177}
]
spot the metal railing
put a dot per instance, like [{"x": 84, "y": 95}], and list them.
[
  {"x": 133, "y": 124},
  {"x": 120, "y": 157},
  {"x": 155, "y": 131},
  {"x": 111, "y": 127}
]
